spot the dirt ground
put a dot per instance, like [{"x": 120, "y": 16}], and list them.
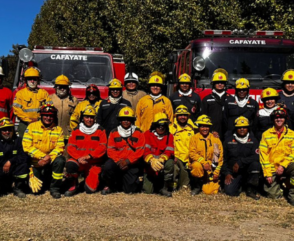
[{"x": 145, "y": 217}]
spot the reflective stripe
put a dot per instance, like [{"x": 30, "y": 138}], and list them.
[
  {"x": 3, "y": 110},
  {"x": 81, "y": 149},
  {"x": 27, "y": 138},
  {"x": 292, "y": 181},
  {"x": 1, "y": 153},
  {"x": 22, "y": 176},
  {"x": 147, "y": 146},
  {"x": 57, "y": 176},
  {"x": 37, "y": 132},
  {"x": 31, "y": 110},
  {"x": 14, "y": 152},
  {"x": 169, "y": 148},
  {"x": 91, "y": 149},
  {"x": 17, "y": 105},
  {"x": 200, "y": 159},
  {"x": 71, "y": 145},
  {"x": 49, "y": 102}
]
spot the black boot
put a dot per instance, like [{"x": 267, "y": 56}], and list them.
[
  {"x": 19, "y": 186},
  {"x": 195, "y": 186},
  {"x": 73, "y": 190},
  {"x": 164, "y": 191},
  {"x": 251, "y": 192}
]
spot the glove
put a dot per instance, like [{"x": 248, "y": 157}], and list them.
[
  {"x": 161, "y": 160},
  {"x": 34, "y": 182},
  {"x": 123, "y": 164},
  {"x": 156, "y": 165}
]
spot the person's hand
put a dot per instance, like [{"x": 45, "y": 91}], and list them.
[
  {"x": 123, "y": 164},
  {"x": 215, "y": 178},
  {"x": 161, "y": 160},
  {"x": 207, "y": 167},
  {"x": 236, "y": 168},
  {"x": 156, "y": 165},
  {"x": 83, "y": 159},
  {"x": 44, "y": 161},
  {"x": 6, "y": 167},
  {"x": 215, "y": 134},
  {"x": 228, "y": 180},
  {"x": 280, "y": 170},
  {"x": 269, "y": 180}
]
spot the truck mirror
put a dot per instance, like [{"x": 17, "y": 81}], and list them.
[
  {"x": 5, "y": 66},
  {"x": 173, "y": 57}
]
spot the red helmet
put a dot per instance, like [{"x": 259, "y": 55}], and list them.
[
  {"x": 48, "y": 109},
  {"x": 93, "y": 89},
  {"x": 279, "y": 112}
]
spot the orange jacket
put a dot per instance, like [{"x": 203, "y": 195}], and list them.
[
  {"x": 131, "y": 148},
  {"x": 81, "y": 144}
]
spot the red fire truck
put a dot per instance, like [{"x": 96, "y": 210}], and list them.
[
  {"x": 259, "y": 56},
  {"x": 83, "y": 66}
]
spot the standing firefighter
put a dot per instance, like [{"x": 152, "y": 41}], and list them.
[
  {"x": 64, "y": 102},
  {"x": 153, "y": 103},
  {"x": 44, "y": 142},
  {"x": 5, "y": 98},
  {"x": 158, "y": 155},
  {"x": 109, "y": 108},
  {"x": 86, "y": 146},
  {"x": 132, "y": 93},
  {"x": 277, "y": 156},
  {"x": 185, "y": 96},
  {"x": 206, "y": 159},
  {"x": 92, "y": 99},
  {"x": 13, "y": 160},
  {"x": 241, "y": 161},
  {"x": 125, "y": 149},
  {"x": 213, "y": 104},
  {"x": 28, "y": 101},
  {"x": 182, "y": 130}
]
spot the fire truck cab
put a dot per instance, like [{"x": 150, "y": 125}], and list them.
[
  {"x": 259, "y": 56},
  {"x": 83, "y": 66}
]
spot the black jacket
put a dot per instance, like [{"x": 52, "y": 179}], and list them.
[{"x": 108, "y": 112}]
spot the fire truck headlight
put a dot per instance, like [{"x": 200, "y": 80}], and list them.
[
  {"x": 25, "y": 55},
  {"x": 198, "y": 63}
]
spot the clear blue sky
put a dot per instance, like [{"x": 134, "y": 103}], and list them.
[{"x": 16, "y": 20}]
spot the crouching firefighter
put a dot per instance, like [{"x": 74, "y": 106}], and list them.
[
  {"x": 125, "y": 149},
  {"x": 206, "y": 159},
  {"x": 13, "y": 160},
  {"x": 44, "y": 142},
  {"x": 241, "y": 161},
  {"x": 158, "y": 155},
  {"x": 86, "y": 146}
]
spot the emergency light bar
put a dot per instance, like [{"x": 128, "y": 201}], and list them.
[
  {"x": 69, "y": 48},
  {"x": 242, "y": 32}
]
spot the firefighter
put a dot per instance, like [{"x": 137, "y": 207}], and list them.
[
  {"x": 28, "y": 101},
  {"x": 44, "y": 142},
  {"x": 86, "y": 146},
  {"x": 65, "y": 104},
  {"x": 13, "y": 160},
  {"x": 182, "y": 130},
  {"x": 241, "y": 161},
  {"x": 213, "y": 104},
  {"x": 269, "y": 97},
  {"x": 159, "y": 157},
  {"x": 240, "y": 105},
  {"x": 277, "y": 156},
  {"x": 287, "y": 94},
  {"x": 123, "y": 170},
  {"x": 132, "y": 93},
  {"x": 153, "y": 103},
  {"x": 109, "y": 108},
  {"x": 92, "y": 99},
  {"x": 206, "y": 158},
  {"x": 6, "y": 98},
  {"x": 185, "y": 96}
]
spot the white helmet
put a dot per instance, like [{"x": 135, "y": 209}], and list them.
[
  {"x": 1, "y": 71},
  {"x": 131, "y": 77}
]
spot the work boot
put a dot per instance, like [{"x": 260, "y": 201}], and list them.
[
  {"x": 250, "y": 192},
  {"x": 164, "y": 191},
  {"x": 55, "y": 194},
  {"x": 18, "y": 188},
  {"x": 73, "y": 190},
  {"x": 106, "y": 191},
  {"x": 195, "y": 186}
]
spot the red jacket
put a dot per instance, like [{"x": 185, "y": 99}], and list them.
[
  {"x": 80, "y": 144},
  {"x": 131, "y": 148},
  {"x": 6, "y": 100},
  {"x": 159, "y": 148}
]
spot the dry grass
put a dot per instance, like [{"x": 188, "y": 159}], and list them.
[{"x": 145, "y": 217}]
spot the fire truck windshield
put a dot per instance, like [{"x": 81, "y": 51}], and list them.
[
  {"x": 262, "y": 66},
  {"x": 79, "y": 68}
]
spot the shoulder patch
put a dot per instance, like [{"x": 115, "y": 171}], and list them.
[
  {"x": 80, "y": 137},
  {"x": 257, "y": 151},
  {"x": 95, "y": 138},
  {"x": 117, "y": 139},
  {"x": 134, "y": 139},
  {"x": 27, "y": 131}
]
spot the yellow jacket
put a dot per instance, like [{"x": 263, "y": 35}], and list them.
[
  {"x": 182, "y": 138},
  {"x": 76, "y": 115},
  {"x": 147, "y": 108},
  {"x": 201, "y": 150},
  {"x": 27, "y": 103},
  {"x": 39, "y": 141},
  {"x": 276, "y": 152}
]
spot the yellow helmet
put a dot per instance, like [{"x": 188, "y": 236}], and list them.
[
  {"x": 155, "y": 79},
  {"x": 242, "y": 83},
  {"x": 157, "y": 73},
  {"x": 115, "y": 84},
  {"x": 6, "y": 122},
  {"x": 160, "y": 118},
  {"x": 182, "y": 110},
  {"x": 62, "y": 80},
  {"x": 89, "y": 111},
  {"x": 269, "y": 92},
  {"x": 219, "y": 75},
  {"x": 288, "y": 75},
  {"x": 185, "y": 78},
  {"x": 203, "y": 120},
  {"x": 31, "y": 72},
  {"x": 241, "y": 122},
  {"x": 126, "y": 112}
]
